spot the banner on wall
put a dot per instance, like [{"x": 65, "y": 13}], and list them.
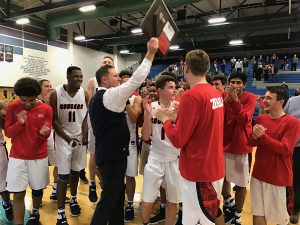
[
  {"x": 9, "y": 57},
  {"x": 1, "y": 52}
]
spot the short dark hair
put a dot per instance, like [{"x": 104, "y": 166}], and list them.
[
  {"x": 108, "y": 57},
  {"x": 125, "y": 73},
  {"x": 208, "y": 79},
  {"x": 28, "y": 87},
  {"x": 222, "y": 78},
  {"x": 71, "y": 68},
  {"x": 169, "y": 73},
  {"x": 162, "y": 80},
  {"x": 239, "y": 75},
  {"x": 42, "y": 81},
  {"x": 102, "y": 71},
  {"x": 198, "y": 61},
  {"x": 281, "y": 91}
]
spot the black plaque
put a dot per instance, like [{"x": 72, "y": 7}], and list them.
[{"x": 9, "y": 56}]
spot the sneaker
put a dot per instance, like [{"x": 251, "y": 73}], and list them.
[
  {"x": 159, "y": 217},
  {"x": 229, "y": 213},
  {"x": 63, "y": 220},
  {"x": 8, "y": 211},
  {"x": 92, "y": 193},
  {"x": 53, "y": 197},
  {"x": 75, "y": 208},
  {"x": 179, "y": 218},
  {"x": 82, "y": 177},
  {"x": 294, "y": 218},
  {"x": 236, "y": 220},
  {"x": 129, "y": 213},
  {"x": 34, "y": 219}
]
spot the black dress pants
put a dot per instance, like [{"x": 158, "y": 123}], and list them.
[
  {"x": 110, "y": 208},
  {"x": 296, "y": 183}
]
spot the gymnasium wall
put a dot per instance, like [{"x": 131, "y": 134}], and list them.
[{"x": 35, "y": 56}]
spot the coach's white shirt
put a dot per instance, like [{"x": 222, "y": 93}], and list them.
[{"x": 115, "y": 98}]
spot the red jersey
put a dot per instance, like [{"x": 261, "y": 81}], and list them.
[
  {"x": 238, "y": 123},
  {"x": 274, "y": 154},
  {"x": 27, "y": 143},
  {"x": 199, "y": 134}
]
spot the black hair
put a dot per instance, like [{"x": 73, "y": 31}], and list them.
[
  {"x": 162, "y": 80},
  {"x": 281, "y": 92},
  {"x": 169, "y": 73},
  {"x": 222, "y": 78},
  {"x": 239, "y": 75},
  {"x": 27, "y": 87},
  {"x": 208, "y": 79},
  {"x": 125, "y": 73},
  {"x": 102, "y": 71},
  {"x": 71, "y": 68}
]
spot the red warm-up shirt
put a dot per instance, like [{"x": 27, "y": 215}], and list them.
[
  {"x": 199, "y": 134},
  {"x": 274, "y": 154},
  {"x": 27, "y": 143},
  {"x": 238, "y": 123}
]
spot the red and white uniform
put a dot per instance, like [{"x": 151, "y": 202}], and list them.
[
  {"x": 199, "y": 133},
  {"x": 28, "y": 162}
]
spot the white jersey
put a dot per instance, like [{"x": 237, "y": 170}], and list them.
[
  {"x": 161, "y": 148},
  {"x": 131, "y": 125},
  {"x": 71, "y": 111}
]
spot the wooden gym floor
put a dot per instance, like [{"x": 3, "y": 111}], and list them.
[{"x": 49, "y": 208}]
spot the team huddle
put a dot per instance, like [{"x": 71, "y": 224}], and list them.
[{"x": 193, "y": 147}]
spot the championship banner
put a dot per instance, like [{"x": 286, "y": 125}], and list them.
[{"x": 9, "y": 56}]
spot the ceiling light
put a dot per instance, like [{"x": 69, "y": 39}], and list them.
[
  {"x": 124, "y": 51},
  {"x": 236, "y": 42},
  {"x": 79, "y": 38},
  {"x": 217, "y": 20},
  {"x": 87, "y": 8},
  {"x": 218, "y": 24},
  {"x": 136, "y": 30},
  {"x": 174, "y": 47},
  {"x": 22, "y": 21}
]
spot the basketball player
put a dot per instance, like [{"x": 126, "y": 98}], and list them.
[
  {"x": 92, "y": 87},
  {"x": 293, "y": 108},
  {"x": 46, "y": 88},
  {"x": 239, "y": 107},
  {"x": 28, "y": 124},
  {"x": 6, "y": 203},
  {"x": 219, "y": 82},
  {"x": 200, "y": 118},
  {"x": 275, "y": 135},
  {"x": 109, "y": 124},
  {"x": 69, "y": 103},
  {"x": 133, "y": 110},
  {"x": 162, "y": 166}
]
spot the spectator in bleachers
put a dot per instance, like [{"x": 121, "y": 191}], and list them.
[
  {"x": 260, "y": 63},
  {"x": 232, "y": 63},
  {"x": 239, "y": 66},
  {"x": 294, "y": 63},
  {"x": 266, "y": 72},
  {"x": 285, "y": 63},
  {"x": 254, "y": 67},
  {"x": 215, "y": 67},
  {"x": 223, "y": 66},
  {"x": 245, "y": 66}
]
